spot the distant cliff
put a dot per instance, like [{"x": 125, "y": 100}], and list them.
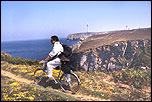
[
  {"x": 82, "y": 36},
  {"x": 114, "y": 51}
]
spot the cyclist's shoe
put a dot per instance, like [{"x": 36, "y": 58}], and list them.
[
  {"x": 49, "y": 79},
  {"x": 70, "y": 88}
]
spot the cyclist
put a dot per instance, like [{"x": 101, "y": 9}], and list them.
[{"x": 55, "y": 61}]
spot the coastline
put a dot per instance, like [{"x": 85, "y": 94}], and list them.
[{"x": 31, "y": 49}]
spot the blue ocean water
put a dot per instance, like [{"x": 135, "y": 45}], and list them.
[{"x": 31, "y": 49}]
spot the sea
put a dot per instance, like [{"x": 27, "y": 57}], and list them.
[{"x": 31, "y": 49}]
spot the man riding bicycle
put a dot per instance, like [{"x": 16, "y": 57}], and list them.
[{"x": 56, "y": 60}]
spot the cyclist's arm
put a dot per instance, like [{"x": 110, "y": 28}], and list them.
[{"x": 45, "y": 59}]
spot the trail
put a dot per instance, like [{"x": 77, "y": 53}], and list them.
[
  {"x": 110, "y": 81},
  {"x": 24, "y": 80},
  {"x": 15, "y": 77}
]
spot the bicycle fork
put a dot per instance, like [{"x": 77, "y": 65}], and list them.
[{"x": 57, "y": 82}]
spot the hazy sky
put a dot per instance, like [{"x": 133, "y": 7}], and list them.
[{"x": 23, "y": 20}]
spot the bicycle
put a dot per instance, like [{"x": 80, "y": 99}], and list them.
[{"x": 73, "y": 85}]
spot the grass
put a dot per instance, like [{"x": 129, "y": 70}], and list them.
[
  {"x": 109, "y": 38},
  {"x": 92, "y": 84},
  {"x": 17, "y": 60},
  {"x": 16, "y": 91}
]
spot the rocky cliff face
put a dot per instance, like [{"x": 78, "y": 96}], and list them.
[
  {"x": 112, "y": 57},
  {"x": 113, "y": 50},
  {"x": 83, "y": 36},
  {"x": 111, "y": 37}
]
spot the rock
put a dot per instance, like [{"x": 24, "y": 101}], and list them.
[
  {"x": 109, "y": 56},
  {"x": 83, "y": 36},
  {"x": 106, "y": 58}
]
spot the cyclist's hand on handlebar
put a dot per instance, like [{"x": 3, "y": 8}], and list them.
[{"x": 42, "y": 61}]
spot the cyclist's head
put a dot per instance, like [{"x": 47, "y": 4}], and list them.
[{"x": 54, "y": 39}]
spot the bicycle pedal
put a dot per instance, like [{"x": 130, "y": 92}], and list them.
[
  {"x": 49, "y": 80},
  {"x": 57, "y": 82}
]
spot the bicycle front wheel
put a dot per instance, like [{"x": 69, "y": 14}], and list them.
[
  {"x": 38, "y": 75},
  {"x": 72, "y": 85}
]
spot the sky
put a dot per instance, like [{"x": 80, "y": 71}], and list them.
[{"x": 26, "y": 20}]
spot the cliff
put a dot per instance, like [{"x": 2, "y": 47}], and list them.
[
  {"x": 114, "y": 51},
  {"x": 82, "y": 36}
]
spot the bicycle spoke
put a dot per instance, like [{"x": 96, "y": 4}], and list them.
[
  {"x": 39, "y": 74},
  {"x": 73, "y": 85}
]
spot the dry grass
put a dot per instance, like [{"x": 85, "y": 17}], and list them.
[{"x": 109, "y": 38}]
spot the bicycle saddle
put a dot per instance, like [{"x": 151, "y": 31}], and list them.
[{"x": 66, "y": 60}]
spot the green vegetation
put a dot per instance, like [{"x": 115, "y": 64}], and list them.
[
  {"x": 137, "y": 78},
  {"x": 17, "y": 60},
  {"x": 141, "y": 57},
  {"x": 17, "y": 91},
  {"x": 134, "y": 75},
  {"x": 113, "y": 86}
]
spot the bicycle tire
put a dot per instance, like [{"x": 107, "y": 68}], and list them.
[
  {"x": 74, "y": 83},
  {"x": 38, "y": 75}
]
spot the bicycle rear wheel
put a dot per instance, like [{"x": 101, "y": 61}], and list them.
[
  {"x": 73, "y": 85},
  {"x": 38, "y": 75}
]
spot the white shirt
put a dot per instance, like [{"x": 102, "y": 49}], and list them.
[{"x": 57, "y": 49}]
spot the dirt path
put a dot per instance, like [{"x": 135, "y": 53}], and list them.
[
  {"x": 78, "y": 96},
  {"x": 15, "y": 77},
  {"x": 88, "y": 98},
  {"x": 110, "y": 81}
]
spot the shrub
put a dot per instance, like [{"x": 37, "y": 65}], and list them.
[
  {"x": 141, "y": 58},
  {"x": 137, "y": 78},
  {"x": 17, "y": 60}
]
